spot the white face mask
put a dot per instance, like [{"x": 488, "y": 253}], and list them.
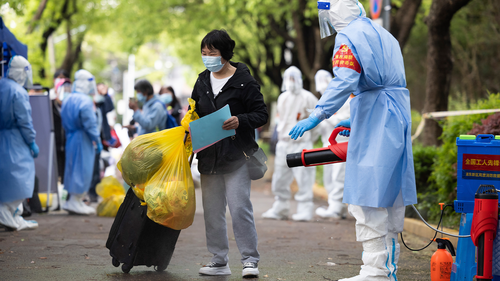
[
  {"x": 290, "y": 86},
  {"x": 98, "y": 98}
]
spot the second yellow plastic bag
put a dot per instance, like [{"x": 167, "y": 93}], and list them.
[{"x": 113, "y": 193}]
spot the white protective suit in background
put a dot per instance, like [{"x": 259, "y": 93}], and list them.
[
  {"x": 17, "y": 145},
  {"x": 293, "y": 105},
  {"x": 333, "y": 174}
]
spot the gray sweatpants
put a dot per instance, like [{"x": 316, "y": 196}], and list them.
[{"x": 233, "y": 190}]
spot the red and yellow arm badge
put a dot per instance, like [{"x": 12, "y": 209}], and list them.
[{"x": 344, "y": 58}]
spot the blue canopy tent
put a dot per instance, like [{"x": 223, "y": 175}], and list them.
[{"x": 9, "y": 47}]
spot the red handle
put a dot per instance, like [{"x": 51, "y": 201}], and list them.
[{"x": 334, "y": 134}]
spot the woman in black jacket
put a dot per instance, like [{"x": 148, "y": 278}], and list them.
[{"x": 223, "y": 168}]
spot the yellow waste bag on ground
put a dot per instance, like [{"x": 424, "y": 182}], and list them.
[
  {"x": 156, "y": 166},
  {"x": 109, "y": 206},
  {"x": 113, "y": 193}
]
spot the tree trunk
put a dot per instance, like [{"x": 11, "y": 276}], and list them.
[
  {"x": 71, "y": 56},
  {"x": 309, "y": 46},
  {"x": 404, "y": 19},
  {"x": 38, "y": 16},
  {"x": 439, "y": 63}
]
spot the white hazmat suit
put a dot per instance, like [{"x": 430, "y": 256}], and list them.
[
  {"x": 294, "y": 104},
  {"x": 333, "y": 174}
]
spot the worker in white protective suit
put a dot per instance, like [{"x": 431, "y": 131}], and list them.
[
  {"x": 17, "y": 145},
  {"x": 82, "y": 135},
  {"x": 294, "y": 104},
  {"x": 380, "y": 176},
  {"x": 333, "y": 174}
]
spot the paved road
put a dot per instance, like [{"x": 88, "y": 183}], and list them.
[{"x": 68, "y": 247}]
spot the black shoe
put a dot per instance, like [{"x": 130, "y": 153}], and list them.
[
  {"x": 213, "y": 268},
  {"x": 250, "y": 269}
]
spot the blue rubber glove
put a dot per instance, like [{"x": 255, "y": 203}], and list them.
[
  {"x": 112, "y": 142},
  {"x": 34, "y": 150},
  {"x": 303, "y": 126},
  {"x": 344, "y": 123},
  {"x": 99, "y": 147},
  {"x": 345, "y": 133}
]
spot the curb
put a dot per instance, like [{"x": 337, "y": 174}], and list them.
[
  {"x": 413, "y": 226},
  {"x": 418, "y": 227}
]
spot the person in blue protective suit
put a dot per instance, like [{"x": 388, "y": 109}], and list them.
[
  {"x": 17, "y": 143},
  {"x": 153, "y": 117},
  {"x": 80, "y": 124},
  {"x": 380, "y": 178}
]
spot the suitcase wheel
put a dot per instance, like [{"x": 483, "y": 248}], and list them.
[
  {"x": 160, "y": 268},
  {"x": 126, "y": 268},
  {"x": 115, "y": 262}
]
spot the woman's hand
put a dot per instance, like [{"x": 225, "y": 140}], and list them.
[
  {"x": 132, "y": 104},
  {"x": 231, "y": 123}
]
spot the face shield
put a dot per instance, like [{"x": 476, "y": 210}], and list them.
[
  {"x": 20, "y": 71},
  {"x": 322, "y": 79},
  {"x": 335, "y": 15},
  {"x": 84, "y": 83},
  {"x": 64, "y": 90},
  {"x": 292, "y": 80}
]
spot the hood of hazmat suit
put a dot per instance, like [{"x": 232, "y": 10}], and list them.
[
  {"x": 20, "y": 71},
  {"x": 292, "y": 80},
  {"x": 84, "y": 83},
  {"x": 335, "y": 15},
  {"x": 322, "y": 79}
]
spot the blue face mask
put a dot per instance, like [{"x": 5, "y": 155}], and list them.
[
  {"x": 141, "y": 98},
  {"x": 166, "y": 98},
  {"x": 213, "y": 64}
]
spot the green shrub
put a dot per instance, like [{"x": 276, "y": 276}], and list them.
[{"x": 441, "y": 185}]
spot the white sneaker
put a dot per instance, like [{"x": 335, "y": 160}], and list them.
[
  {"x": 213, "y": 268},
  {"x": 75, "y": 205},
  {"x": 279, "y": 210},
  {"x": 250, "y": 269},
  {"x": 305, "y": 211}
]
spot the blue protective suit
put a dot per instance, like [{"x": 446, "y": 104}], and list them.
[
  {"x": 379, "y": 156},
  {"x": 80, "y": 124},
  {"x": 17, "y": 167},
  {"x": 152, "y": 118}
]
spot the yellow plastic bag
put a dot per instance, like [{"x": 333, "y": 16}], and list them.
[
  {"x": 169, "y": 193},
  {"x": 165, "y": 185},
  {"x": 140, "y": 160},
  {"x": 109, "y": 206},
  {"x": 113, "y": 193}
]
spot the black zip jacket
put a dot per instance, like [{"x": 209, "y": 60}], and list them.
[{"x": 242, "y": 94}]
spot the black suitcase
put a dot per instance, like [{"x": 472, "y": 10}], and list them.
[{"x": 134, "y": 239}]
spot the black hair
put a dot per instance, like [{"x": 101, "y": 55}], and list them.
[
  {"x": 144, "y": 87},
  {"x": 175, "y": 101},
  {"x": 220, "y": 40},
  {"x": 63, "y": 72}
]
